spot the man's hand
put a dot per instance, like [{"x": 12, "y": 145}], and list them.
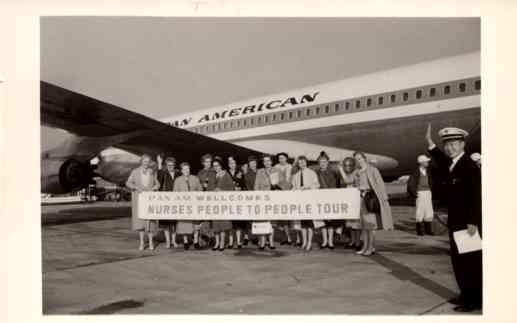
[
  {"x": 428, "y": 136},
  {"x": 472, "y": 229}
]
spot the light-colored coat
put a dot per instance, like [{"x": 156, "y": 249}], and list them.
[
  {"x": 377, "y": 184},
  {"x": 263, "y": 181}
]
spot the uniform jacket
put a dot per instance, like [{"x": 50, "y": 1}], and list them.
[
  {"x": 463, "y": 191},
  {"x": 377, "y": 184},
  {"x": 165, "y": 179},
  {"x": 412, "y": 184}
]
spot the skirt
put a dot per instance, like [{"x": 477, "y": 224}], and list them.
[
  {"x": 167, "y": 224},
  {"x": 334, "y": 223},
  {"x": 306, "y": 224},
  {"x": 184, "y": 227},
  {"x": 241, "y": 225},
  {"x": 221, "y": 226},
  {"x": 353, "y": 224},
  {"x": 369, "y": 220},
  {"x": 138, "y": 224}
]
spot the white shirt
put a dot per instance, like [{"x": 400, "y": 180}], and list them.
[
  {"x": 310, "y": 179},
  {"x": 423, "y": 171},
  {"x": 455, "y": 160}
]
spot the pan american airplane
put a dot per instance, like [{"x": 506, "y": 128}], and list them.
[{"x": 383, "y": 114}]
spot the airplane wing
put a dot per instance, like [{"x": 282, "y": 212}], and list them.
[{"x": 87, "y": 117}]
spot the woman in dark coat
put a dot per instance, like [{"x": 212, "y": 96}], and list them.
[
  {"x": 238, "y": 182},
  {"x": 327, "y": 179},
  {"x": 223, "y": 182}
]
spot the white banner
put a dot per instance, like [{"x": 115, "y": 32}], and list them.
[{"x": 338, "y": 203}]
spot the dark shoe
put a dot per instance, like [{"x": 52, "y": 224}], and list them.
[
  {"x": 428, "y": 228},
  {"x": 262, "y": 248},
  {"x": 456, "y": 300},
  {"x": 255, "y": 241},
  {"x": 221, "y": 249},
  {"x": 331, "y": 247},
  {"x": 214, "y": 248},
  {"x": 419, "y": 229},
  {"x": 283, "y": 243},
  {"x": 298, "y": 244},
  {"x": 323, "y": 246},
  {"x": 246, "y": 241},
  {"x": 239, "y": 246},
  {"x": 197, "y": 246},
  {"x": 230, "y": 246},
  {"x": 466, "y": 308},
  {"x": 272, "y": 247},
  {"x": 186, "y": 246}
]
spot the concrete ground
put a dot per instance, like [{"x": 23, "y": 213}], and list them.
[{"x": 91, "y": 265}]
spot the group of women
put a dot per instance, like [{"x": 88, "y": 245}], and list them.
[{"x": 219, "y": 175}]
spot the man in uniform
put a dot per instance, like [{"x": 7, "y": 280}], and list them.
[{"x": 463, "y": 185}]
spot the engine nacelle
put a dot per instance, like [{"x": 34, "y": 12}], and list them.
[{"x": 64, "y": 176}]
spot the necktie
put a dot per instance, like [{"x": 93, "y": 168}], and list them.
[
  {"x": 301, "y": 178},
  {"x": 188, "y": 185}
]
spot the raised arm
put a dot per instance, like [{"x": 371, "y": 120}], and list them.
[{"x": 438, "y": 156}]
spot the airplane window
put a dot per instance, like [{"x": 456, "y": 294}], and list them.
[
  {"x": 317, "y": 110},
  {"x": 447, "y": 90},
  {"x": 405, "y": 96},
  {"x": 357, "y": 104},
  {"x": 267, "y": 119},
  {"x": 462, "y": 87},
  {"x": 477, "y": 85},
  {"x": 299, "y": 113},
  {"x": 392, "y": 98},
  {"x": 347, "y": 105},
  {"x": 308, "y": 112},
  {"x": 419, "y": 94},
  {"x": 327, "y": 109},
  {"x": 282, "y": 116},
  {"x": 259, "y": 120},
  {"x": 336, "y": 108},
  {"x": 244, "y": 123},
  {"x": 252, "y": 121},
  {"x": 368, "y": 102},
  {"x": 238, "y": 123},
  {"x": 274, "y": 117},
  {"x": 290, "y": 114},
  {"x": 380, "y": 101},
  {"x": 432, "y": 91}
]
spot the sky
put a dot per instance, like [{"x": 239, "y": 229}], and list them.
[{"x": 162, "y": 67}]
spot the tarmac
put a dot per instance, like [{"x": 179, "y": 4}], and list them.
[{"x": 91, "y": 265}]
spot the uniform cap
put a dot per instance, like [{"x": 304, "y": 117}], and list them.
[
  {"x": 423, "y": 159},
  {"x": 451, "y": 133}
]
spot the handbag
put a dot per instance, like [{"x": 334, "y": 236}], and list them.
[
  {"x": 261, "y": 228},
  {"x": 372, "y": 202}
]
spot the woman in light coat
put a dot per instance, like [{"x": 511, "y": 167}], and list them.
[
  {"x": 186, "y": 183},
  {"x": 142, "y": 179},
  {"x": 267, "y": 180},
  {"x": 370, "y": 180}
]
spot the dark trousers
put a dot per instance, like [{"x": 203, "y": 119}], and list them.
[{"x": 468, "y": 270}]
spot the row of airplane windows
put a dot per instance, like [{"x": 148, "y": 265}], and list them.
[{"x": 404, "y": 97}]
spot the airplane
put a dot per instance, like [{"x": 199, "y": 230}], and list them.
[{"x": 383, "y": 114}]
